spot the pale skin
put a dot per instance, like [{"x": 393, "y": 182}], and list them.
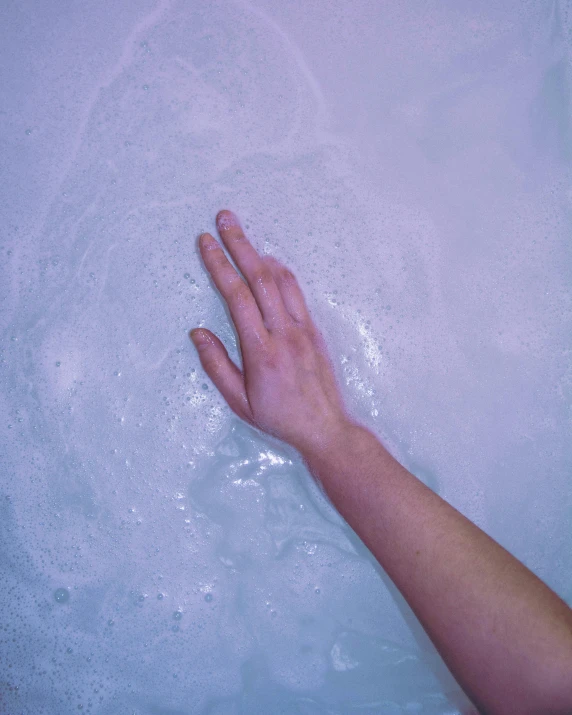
[{"x": 505, "y": 636}]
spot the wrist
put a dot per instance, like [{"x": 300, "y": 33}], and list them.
[{"x": 341, "y": 441}]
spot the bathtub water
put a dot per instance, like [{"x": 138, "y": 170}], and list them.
[{"x": 411, "y": 163}]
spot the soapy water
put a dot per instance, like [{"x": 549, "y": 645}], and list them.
[{"x": 412, "y": 166}]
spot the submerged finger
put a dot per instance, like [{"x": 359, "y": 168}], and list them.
[
  {"x": 243, "y": 308},
  {"x": 292, "y": 295},
  {"x": 226, "y": 376},
  {"x": 260, "y": 279}
]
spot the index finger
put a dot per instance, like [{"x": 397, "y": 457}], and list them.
[{"x": 243, "y": 308}]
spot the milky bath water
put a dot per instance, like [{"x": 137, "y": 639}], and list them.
[{"x": 410, "y": 162}]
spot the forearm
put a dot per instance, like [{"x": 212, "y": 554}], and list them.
[{"x": 506, "y": 637}]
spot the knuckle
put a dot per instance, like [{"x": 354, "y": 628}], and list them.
[
  {"x": 287, "y": 276},
  {"x": 239, "y": 292},
  {"x": 297, "y": 340},
  {"x": 269, "y": 357},
  {"x": 236, "y": 237},
  {"x": 263, "y": 274},
  {"x": 213, "y": 368},
  {"x": 211, "y": 365},
  {"x": 219, "y": 260}
]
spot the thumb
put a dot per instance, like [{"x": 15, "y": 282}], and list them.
[{"x": 226, "y": 376}]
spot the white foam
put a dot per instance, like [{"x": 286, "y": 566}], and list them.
[{"x": 411, "y": 166}]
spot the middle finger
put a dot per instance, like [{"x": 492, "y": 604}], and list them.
[
  {"x": 254, "y": 269},
  {"x": 241, "y": 303}
]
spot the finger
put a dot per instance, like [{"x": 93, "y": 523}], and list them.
[
  {"x": 292, "y": 295},
  {"x": 225, "y": 375},
  {"x": 243, "y": 308},
  {"x": 253, "y": 268}
]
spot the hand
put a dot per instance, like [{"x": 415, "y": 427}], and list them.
[{"x": 287, "y": 387}]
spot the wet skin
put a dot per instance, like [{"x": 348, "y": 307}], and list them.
[{"x": 505, "y": 636}]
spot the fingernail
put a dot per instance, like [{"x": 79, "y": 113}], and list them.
[{"x": 226, "y": 219}]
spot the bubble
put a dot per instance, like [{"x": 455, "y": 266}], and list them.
[
  {"x": 125, "y": 219},
  {"x": 61, "y": 595}
]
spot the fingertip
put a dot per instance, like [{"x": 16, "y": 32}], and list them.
[
  {"x": 207, "y": 241},
  {"x": 226, "y": 219},
  {"x": 199, "y": 337}
]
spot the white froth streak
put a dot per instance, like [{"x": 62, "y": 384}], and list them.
[
  {"x": 323, "y": 117},
  {"x": 124, "y": 60}
]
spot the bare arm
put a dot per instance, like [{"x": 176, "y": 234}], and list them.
[{"x": 506, "y": 637}]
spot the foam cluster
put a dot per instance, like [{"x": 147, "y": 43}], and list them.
[{"x": 410, "y": 163}]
